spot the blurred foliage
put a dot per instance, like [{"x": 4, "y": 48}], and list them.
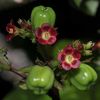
[
  {"x": 19, "y": 94},
  {"x": 89, "y": 7}
]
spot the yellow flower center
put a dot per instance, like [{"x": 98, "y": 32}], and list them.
[
  {"x": 69, "y": 59},
  {"x": 45, "y": 35},
  {"x": 11, "y": 30}
]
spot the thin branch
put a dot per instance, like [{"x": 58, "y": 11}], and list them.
[{"x": 17, "y": 73}]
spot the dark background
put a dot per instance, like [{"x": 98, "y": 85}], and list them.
[{"x": 71, "y": 23}]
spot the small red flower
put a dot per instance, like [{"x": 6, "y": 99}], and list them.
[
  {"x": 69, "y": 58},
  {"x": 11, "y": 28},
  {"x": 46, "y": 35}
]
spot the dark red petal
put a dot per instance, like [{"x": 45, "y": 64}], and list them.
[
  {"x": 65, "y": 66},
  {"x": 38, "y": 32},
  {"x": 29, "y": 27},
  {"x": 41, "y": 41},
  {"x": 10, "y": 26},
  {"x": 9, "y": 37},
  {"x": 61, "y": 56},
  {"x": 53, "y": 32},
  {"x": 68, "y": 49},
  {"x": 80, "y": 47},
  {"x": 52, "y": 40},
  {"x": 75, "y": 64},
  {"x": 76, "y": 54},
  {"x": 45, "y": 27}
]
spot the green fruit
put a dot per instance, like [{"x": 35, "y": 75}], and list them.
[
  {"x": 41, "y": 15},
  {"x": 59, "y": 46},
  {"x": 40, "y": 79},
  {"x": 69, "y": 92},
  {"x": 83, "y": 77}
]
